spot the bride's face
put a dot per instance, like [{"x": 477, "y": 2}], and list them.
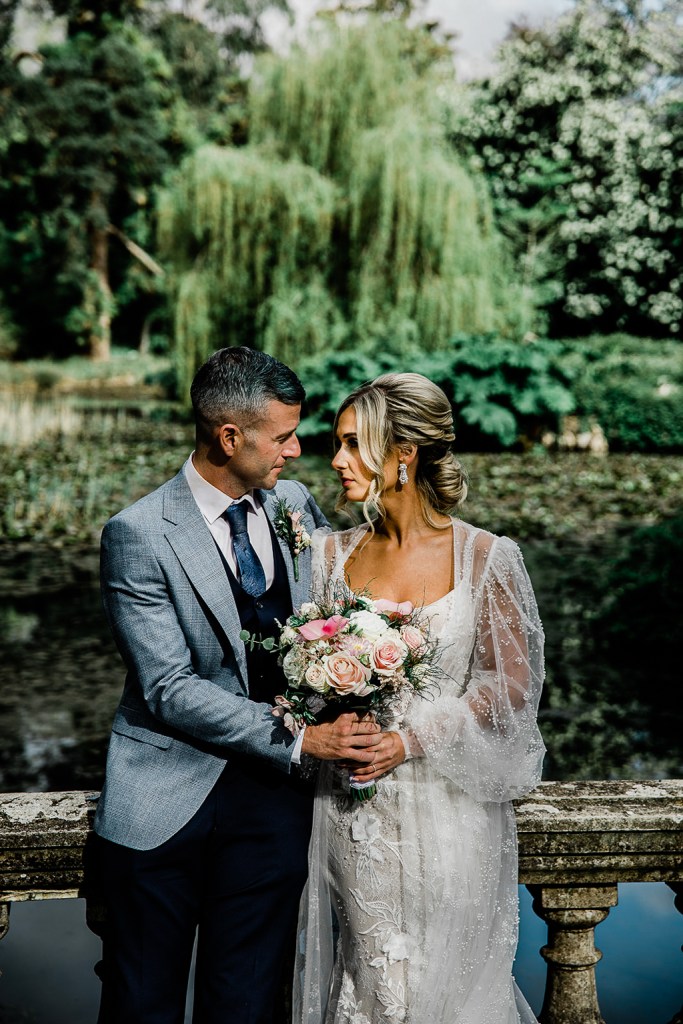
[{"x": 353, "y": 473}]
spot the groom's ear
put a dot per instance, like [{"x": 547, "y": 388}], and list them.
[{"x": 229, "y": 436}]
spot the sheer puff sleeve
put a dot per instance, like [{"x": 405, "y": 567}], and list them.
[{"x": 481, "y": 731}]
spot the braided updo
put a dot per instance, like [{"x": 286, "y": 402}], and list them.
[{"x": 407, "y": 409}]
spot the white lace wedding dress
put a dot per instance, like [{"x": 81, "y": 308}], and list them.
[{"x": 410, "y": 912}]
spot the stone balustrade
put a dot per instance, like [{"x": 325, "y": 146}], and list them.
[{"x": 577, "y": 842}]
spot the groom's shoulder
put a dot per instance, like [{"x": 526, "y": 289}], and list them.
[
  {"x": 292, "y": 491},
  {"x": 149, "y": 506}
]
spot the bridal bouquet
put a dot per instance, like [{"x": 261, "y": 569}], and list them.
[{"x": 350, "y": 653}]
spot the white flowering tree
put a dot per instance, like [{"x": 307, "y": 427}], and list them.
[{"x": 579, "y": 133}]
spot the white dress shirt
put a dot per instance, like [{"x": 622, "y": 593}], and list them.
[{"x": 212, "y": 504}]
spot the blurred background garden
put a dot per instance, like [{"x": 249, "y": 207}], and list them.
[{"x": 174, "y": 178}]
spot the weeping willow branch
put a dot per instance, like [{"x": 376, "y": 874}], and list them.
[{"x": 345, "y": 221}]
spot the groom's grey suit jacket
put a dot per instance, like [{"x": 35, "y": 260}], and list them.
[{"x": 185, "y": 706}]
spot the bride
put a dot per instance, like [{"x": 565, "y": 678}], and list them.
[{"x": 410, "y": 913}]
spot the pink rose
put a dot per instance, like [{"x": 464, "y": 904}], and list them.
[
  {"x": 346, "y": 674},
  {"x": 413, "y": 638},
  {"x": 394, "y": 609},
  {"x": 317, "y": 629},
  {"x": 388, "y": 653}
]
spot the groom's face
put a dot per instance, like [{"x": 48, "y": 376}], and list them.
[{"x": 265, "y": 446}]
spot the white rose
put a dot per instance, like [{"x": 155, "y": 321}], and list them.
[
  {"x": 372, "y": 626},
  {"x": 316, "y": 677}
]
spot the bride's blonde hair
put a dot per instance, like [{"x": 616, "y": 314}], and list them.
[{"x": 407, "y": 409}]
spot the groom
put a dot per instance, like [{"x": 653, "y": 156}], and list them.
[{"x": 204, "y": 817}]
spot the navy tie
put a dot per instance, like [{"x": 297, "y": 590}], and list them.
[{"x": 252, "y": 576}]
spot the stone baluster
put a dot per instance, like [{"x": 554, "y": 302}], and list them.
[
  {"x": 571, "y": 913},
  {"x": 678, "y": 903}
]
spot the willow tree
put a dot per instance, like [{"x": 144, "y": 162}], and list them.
[{"x": 345, "y": 221}]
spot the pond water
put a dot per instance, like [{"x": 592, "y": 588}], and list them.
[
  {"x": 48, "y": 956},
  {"x": 62, "y": 678}
]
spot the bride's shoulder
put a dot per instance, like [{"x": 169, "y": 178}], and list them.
[
  {"x": 481, "y": 547},
  {"x": 336, "y": 540}
]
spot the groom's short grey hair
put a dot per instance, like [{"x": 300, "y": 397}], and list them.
[{"x": 234, "y": 386}]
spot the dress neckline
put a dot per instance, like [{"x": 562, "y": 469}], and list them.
[{"x": 362, "y": 529}]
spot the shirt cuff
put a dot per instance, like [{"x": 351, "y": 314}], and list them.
[{"x": 296, "y": 750}]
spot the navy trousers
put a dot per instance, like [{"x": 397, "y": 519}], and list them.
[{"x": 233, "y": 875}]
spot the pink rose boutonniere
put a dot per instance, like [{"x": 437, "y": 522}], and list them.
[{"x": 289, "y": 526}]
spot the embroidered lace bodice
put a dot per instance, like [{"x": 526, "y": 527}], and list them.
[{"x": 421, "y": 880}]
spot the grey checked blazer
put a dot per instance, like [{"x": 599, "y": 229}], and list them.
[{"x": 184, "y": 706}]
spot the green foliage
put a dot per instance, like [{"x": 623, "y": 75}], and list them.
[
  {"x": 87, "y": 137},
  {"x": 8, "y": 333},
  {"x": 210, "y": 103},
  {"x": 633, "y": 388},
  {"x": 328, "y": 379},
  {"x": 240, "y": 227},
  {"x": 93, "y": 144},
  {"x": 239, "y": 24},
  {"x": 579, "y": 133},
  {"x": 500, "y": 390},
  {"x": 346, "y": 222}
]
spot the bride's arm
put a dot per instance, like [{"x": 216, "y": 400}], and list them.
[{"x": 487, "y": 740}]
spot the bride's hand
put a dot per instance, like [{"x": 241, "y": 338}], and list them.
[{"x": 388, "y": 753}]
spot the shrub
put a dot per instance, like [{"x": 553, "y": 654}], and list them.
[
  {"x": 501, "y": 391},
  {"x": 633, "y": 387}
]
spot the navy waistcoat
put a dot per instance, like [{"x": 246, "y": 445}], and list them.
[{"x": 258, "y": 615}]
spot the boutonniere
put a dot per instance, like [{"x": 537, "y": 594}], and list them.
[{"x": 289, "y": 526}]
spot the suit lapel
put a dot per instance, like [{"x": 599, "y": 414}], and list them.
[
  {"x": 298, "y": 588},
  {"x": 196, "y": 550}
]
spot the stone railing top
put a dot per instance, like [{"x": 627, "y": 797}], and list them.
[
  {"x": 595, "y": 833},
  {"x": 602, "y": 806},
  {"x": 570, "y": 833}
]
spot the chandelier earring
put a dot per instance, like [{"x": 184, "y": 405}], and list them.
[{"x": 402, "y": 473}]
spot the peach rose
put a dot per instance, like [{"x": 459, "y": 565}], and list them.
[
  {"x": 388, "y": 653},
  {"x": 346, "y": 674},
  {"x": 413, "y": 638}
]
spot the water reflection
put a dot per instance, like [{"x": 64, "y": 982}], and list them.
[
  {"x": 61, "y": 674},
  {"x": 48, "y": 957}
]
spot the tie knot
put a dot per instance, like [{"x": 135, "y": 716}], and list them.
[{"x": 236, "y": 515}]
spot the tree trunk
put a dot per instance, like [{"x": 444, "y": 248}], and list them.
[{"x": 99, "y": 298}]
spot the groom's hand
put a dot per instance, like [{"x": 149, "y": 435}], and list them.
[{"x": 347, "y": 738}]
